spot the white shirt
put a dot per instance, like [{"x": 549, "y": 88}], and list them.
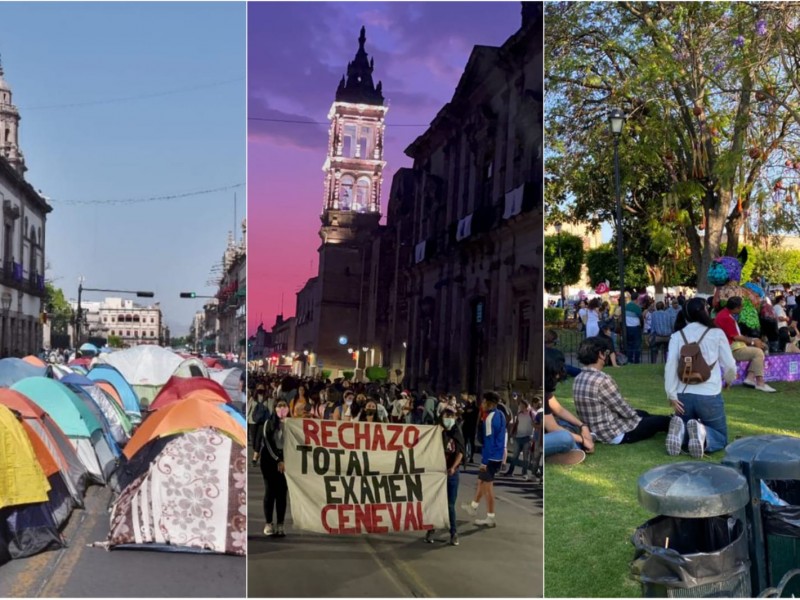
[
  {"x": 715, "y": 349},
  {"x": 592, "y": 323}
]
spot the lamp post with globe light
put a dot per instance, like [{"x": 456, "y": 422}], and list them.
[{"x": 616, "y": 121}]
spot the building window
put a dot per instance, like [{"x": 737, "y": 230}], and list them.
[
  {"x": 362, "y": 195},
  {"x": 348, "y": 141},
  {"x": 363, "y": 142},
  {"x": 346, "y": 192},
  {"x": 127, "y": 334}
]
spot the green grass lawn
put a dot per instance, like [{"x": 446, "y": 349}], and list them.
[{"x": 591, "y": 509}]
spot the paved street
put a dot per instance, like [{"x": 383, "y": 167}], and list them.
[
  {"x": 83, "y": 571},
  {"x": 501, "y": 562}
]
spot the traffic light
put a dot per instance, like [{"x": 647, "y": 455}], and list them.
[{"x": 188, "y": 294}]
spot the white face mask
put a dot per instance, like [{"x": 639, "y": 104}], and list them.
[
  {"x": 349, "y": 401},
  {"x": 448, "y": 422}
]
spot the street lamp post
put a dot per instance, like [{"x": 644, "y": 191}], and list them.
[
  {"x": 561, "y": 268},
  {"x": 6, "y": 300},
  {"x": 79, "y": 319},
  {"x": 616, "y": 121}
]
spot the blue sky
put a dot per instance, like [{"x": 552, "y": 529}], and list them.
[{"x": 169, "y": 143}]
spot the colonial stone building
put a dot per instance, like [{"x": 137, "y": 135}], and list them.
[
  {"x": 24, "y": 213},
  {"x": 231, "y": 298},
  {"x": 132, "y": 323},
  {"x": 331, "y": 314},
  {"x": 457, "y": 299}
]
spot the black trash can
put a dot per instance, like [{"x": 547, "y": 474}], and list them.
[
  {"x": 697, "y": 546},
  {"x": 775, "y": 544}
]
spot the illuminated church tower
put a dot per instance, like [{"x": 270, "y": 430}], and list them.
[{"x": 350, "y": 213}]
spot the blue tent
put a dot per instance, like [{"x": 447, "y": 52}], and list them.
[
  {"x": 13, "y": 370},
  {"x": 89, "y": 348},
  {"x": 233, "y": 412},
  {"x": 130, "y": 400}
]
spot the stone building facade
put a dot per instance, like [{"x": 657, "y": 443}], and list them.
[
  {"x": 122, "y": 318},
  {"x": 232, "y": 299},
  {"x": 22, "y": 240},
  {"x": 458, "y": 302}
]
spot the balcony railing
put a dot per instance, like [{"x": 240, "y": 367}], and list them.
[{"x": 14, "y": 276}]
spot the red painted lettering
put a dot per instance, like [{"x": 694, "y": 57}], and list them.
[
  {"x": 311, "y": 431},
  {"x": 411, "y": 519},
  {"x": 363, "y": 518},
  {"x": 342, "y": 441},
  {"x": 397, "y": 431},
  {"x": 324, "y": 516},
  {"x": 377, "y": 518},
  {"x": 395, "y": 513},
  {"x": 378, "y": 441},
  {"x": 411, "y": 437},
  {"x": 420, "y": 518},
  {"x": 328, "y": 428},
  {"x": 362, "y": 436},
  {"x": 344, "y": 518}
]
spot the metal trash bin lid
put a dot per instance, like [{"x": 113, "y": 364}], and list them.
[
  {"x": 771, "y": 456},
  {"x": 693, "y": 490}
]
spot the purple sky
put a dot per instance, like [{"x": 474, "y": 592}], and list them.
[{"x": 297, "y": 52}]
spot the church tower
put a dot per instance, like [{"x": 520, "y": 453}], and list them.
[
  {"x": 9, "y": 128},
  {"x": 351, "y": 213}
]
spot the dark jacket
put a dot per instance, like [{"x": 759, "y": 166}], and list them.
[{"x": 266, "y": 442}]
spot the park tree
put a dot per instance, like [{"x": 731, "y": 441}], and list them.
[
  {"x": 602, "y": 265},
  {"x": 114, "y": 341},
  {"x": 712, "y": 121},
  {"x": 59, "y": 311},
  {"x": 567, "y": 269}
]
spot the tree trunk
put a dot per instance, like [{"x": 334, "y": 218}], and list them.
[{"x": 656, "y": 274}]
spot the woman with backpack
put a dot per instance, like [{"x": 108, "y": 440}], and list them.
[
  {"x": 693, "y": 382},
  {"x": 269, "y": 446}
]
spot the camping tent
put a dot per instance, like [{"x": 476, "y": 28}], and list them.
[
  {"x": 230, "y": 379},
  {"x": 27, "y": 525},
  {"x": 126, "y": 393},
  {"x": 119, "y": 424},
  {"x": 191, "y": 367},
  {"x": 186, "y": 415},
  {"x": 53, "y": 438},
  {"x": 181, "y": 502},
  {"x": 178, "y": 388},
  {"x": 34, "y": 360},
  {"x": 75, "y": 420},
  {"x": 145, "y": 368},
  {"x": 13, "y": 370}
]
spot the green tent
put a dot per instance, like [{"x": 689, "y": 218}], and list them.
[{"x": 67, "y": 410}]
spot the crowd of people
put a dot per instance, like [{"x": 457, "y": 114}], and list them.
[
  {"x": 466, "y": 421},
  {"x": 702, "y": 343}
]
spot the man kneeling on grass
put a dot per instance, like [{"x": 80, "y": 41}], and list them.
[{"x": 600, "y": 404}]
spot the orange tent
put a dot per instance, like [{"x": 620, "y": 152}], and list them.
[
  {"x": 34, "y": 360},
  {"x": 43, "y": 455},
  {"x": 184, "y": 415},
  {"x": 111, "y": 391},
  {"x": 180, "y": 388}
]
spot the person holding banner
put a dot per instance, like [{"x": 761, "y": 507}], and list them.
[
  {"x": 454, "y": 449},
  {"x": 269, "y": 447},
  {"x": 370, "y": 413},
  {"x": 493, "y": 454}
]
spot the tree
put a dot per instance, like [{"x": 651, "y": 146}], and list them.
[
  {"x": 567, "y": 269},
  {"x": 59, "y": 310},
  {"x": 114, "y": 341},
  {"x": 601, "y": 262},
  {"x": 711, "y": 122}
]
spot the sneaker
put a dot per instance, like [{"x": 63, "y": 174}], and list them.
[
  {"x": 487, "y": 522},
  {"x": 573, "y": 457},
  {"x": 279, "y": 532},
  {"x": 471, "y": 511},
  {"x": 454, "y": 539},
  {"x": 675, "y": 435},
  {"x": 765, "y": 388},
  {"x": 697, "y": 438},
  {"x": 268, "y": 529},
  {"x": 429, "y": 537}
]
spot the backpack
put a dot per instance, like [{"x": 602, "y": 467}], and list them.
[
  {"x": 260, "y": 412},
  {"x": 692, "y": 366}
]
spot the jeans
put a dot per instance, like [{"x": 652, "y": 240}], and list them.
[
  {"x": 522, "y": 446},
  {"x": 633, "y": 344},
  {"x": 277, "y": 488},
  {"x": 710, "y": 411},
  {"x": 558, "y": 442},
  {"x": 452, "y": 495}
]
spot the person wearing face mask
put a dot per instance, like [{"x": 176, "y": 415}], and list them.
[
  {"x": 344, "y": 412},
  {"x": 370, "y": 413},
  {"x": 269, "y": 447},
  {"x": 453, "y": 440}
]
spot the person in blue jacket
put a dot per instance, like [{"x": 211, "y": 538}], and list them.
[{"x": 493, "y": 455}]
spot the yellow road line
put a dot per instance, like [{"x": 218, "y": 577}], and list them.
[{"x": 406, "y": 570}]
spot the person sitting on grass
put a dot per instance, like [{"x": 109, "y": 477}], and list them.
[
  {"x": 601, "y": 406},
  {"x": 744, "y": 348},
  {"x": 699, "y": 420},
  {"x": 566, "y": 439}
]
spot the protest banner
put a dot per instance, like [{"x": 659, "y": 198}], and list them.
[{"x": 350, "y": 477}]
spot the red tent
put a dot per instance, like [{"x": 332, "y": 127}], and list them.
[
  {"x": 178, "y": 388},
  {"x": 212, "y": 363}
]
